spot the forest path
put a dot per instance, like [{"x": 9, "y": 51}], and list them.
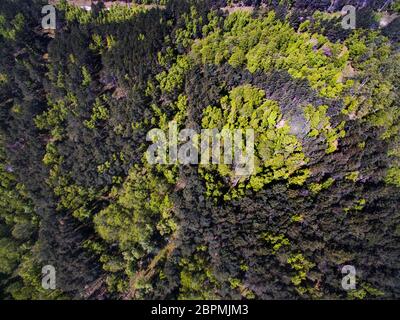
[{"x": 145, "y": 275}]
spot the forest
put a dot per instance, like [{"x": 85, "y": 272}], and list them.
[{"x": 78, "y": 193}]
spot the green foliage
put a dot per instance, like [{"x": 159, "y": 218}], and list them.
[
  {"x": 320, "y": 124},
  {"x": 395, "y": 6},
  {"x": 18, "y": 227},
  {"x": 375, "y": 98},
  {"x": 302, "y": 266},
  {"x": 13, "y": 200},
  {"x": 192, "y": 22},
  {"x": 297, "y": 218},
  {"x": 366, "y": 290},
  {"x": 97, "y": 44},
  {"x": 99, "y": 112},
  {"x": 8, "y": 30},
  {"x": 87, "y": 79},
  {"x": 393, "y": 176},
  {"x": 234, "y": 283},
  {"x": 173, "y": 79},
  {"x": 9, "y": 256},
  {"x": 116, "y": 14},
  {"x": 267, "y": 44},
  {"x": 278, "y": 154},
  {"x": 316, "y": 188},
  {"x": 30, "y": 288},
  {"x": 53, "y": 119},
  {"x": 3, "y": 79},
  {"x": 276, "y": 241},
  {"x": 197, "y": 281},
  {"x": 353, "y": 176},
  {"x": 141, "y": 210},
  {"x": 75, "y": 198},
  {"x": 358, "y": 205},
  {"x": 244, "y": 267},
  {"x": 74, "y": 13}
]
